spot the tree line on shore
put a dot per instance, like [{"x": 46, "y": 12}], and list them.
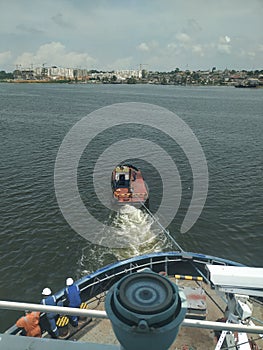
[{"x": 177, "y": 76}]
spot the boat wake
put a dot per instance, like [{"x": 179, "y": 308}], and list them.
[
  {"x": 135, "y": 227},
  {"x": 129, "y": 225}
]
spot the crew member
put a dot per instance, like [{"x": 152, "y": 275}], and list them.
[
  {"x": 30, "y": 324},
  {"x": 49, "y": 299},
  {"x": 72, "y": 295}
]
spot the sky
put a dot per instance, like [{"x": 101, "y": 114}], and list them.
[{"x": 156, "y": 35}]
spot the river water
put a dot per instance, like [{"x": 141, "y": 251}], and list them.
[{"x": 38, "y": 247}]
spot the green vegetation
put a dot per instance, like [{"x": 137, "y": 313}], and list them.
[
  {"x": 175, "y": 77},
  {"x": 6, "y": 76},
  {"x": 131, "y": 80}
]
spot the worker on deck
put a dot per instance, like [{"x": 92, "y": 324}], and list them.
[
  {"x": 50, "y": 299},
  {"x": 30, "y": 324},
  {"x": 72, "y": 295}
]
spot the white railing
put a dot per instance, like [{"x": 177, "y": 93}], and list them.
[{"x": 10, "y": 305}]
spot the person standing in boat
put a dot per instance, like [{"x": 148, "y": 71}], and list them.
[
  {"x": 73, "y": 299},
  {"x": 30, "y": 324},
  {"x": 50, "y": 299}
]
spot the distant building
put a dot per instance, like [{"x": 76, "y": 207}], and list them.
[
  {"x": 24, "y": 74},
  {"x": 57, "y": 73},
  {"x": 128, "y": 73},
  {"x": 50, "y": 73},
  {"x": 176, "y": 77},
  {"x": 80, "y": 74}
]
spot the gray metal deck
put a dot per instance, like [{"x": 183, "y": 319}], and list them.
[{"x": 12, "y": 342}]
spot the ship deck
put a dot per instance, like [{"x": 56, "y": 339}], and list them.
[
  {"x": 138, "y": 186},
  {"x": 100, "y": 331},
  {"x": 203, "y": 302}
]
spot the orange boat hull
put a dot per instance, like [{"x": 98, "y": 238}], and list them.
[{"x": 128, "y": 185}]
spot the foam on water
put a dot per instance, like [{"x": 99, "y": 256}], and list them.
[{"x": 133, "y": 226}]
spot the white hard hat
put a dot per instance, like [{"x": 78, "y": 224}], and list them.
[
  {"x": 69, "y": 281},
  {"x": 46, "y": 291}
]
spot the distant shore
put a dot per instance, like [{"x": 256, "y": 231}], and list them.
[
  {"x": 60, "y": 75},
  {"x": 125, "y": 83}
]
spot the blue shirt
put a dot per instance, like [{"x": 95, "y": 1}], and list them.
[
  {"x": 72, "y": 294},
  {"x": 50, "y": 300}
]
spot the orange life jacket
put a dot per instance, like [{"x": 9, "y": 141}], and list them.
[{"x": 30, "y": 323}]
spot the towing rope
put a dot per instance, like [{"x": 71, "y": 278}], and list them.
[{"x": 163, "y": 228}]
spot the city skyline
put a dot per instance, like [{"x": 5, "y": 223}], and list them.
[{"x": 115, "y": 34}]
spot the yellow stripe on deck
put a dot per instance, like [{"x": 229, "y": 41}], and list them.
[
  {"x": 189, "y": 278},
  {"x": 84, "y": 306},
  {"x": 62, "y": 321}
]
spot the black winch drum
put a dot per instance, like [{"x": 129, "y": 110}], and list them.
[{"x": 146, "y": 310}]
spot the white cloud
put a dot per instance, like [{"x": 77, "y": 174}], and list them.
[
  {"x": 60, "y": 20},
  {"x": 86, "y": 29},
  {"x": 198, "y": 49},
  {"x": 195, "y": 48},
  {"x": 183, "y": 37},
  {"x": 172, "y": 46},
  {"x": 224, "y": 39},
  {"x": 143, "y": 47},
  {"x": 222, "y": 48},
  {"x": 55, "y": 53},
  {"x": 223, "y": 45},
  {"x": 122, "y": 63},
  {"x": 251, "y": 54},
  {"x": 146, "y": 47},
  {"x": 5, "y": 57}
]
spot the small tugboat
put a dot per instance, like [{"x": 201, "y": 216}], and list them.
[{"x": 128, "y": 185}]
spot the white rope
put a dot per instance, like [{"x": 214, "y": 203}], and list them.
[{"x": 163, "y": 228}]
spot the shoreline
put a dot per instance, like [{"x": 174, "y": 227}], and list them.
[{"x": 137, "y": 83}]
